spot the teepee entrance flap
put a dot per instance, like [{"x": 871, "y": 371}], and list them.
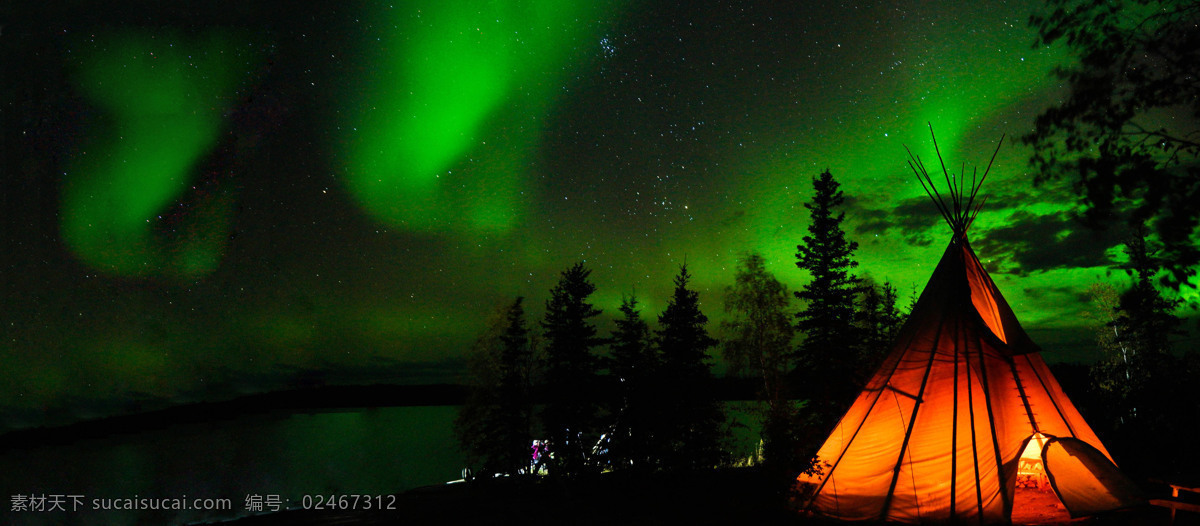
[{"x": 1086, "y": 481}]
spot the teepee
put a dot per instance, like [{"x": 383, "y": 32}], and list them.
[{"x": 961, "y": 404}]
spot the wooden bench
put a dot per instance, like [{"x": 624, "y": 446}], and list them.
[{"x": 1175, "y": 504}]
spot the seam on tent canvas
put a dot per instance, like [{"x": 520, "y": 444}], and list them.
[
  {"x": 917, "y": 404},
  {"x": 1012, "y": 366},
  {"x": 912, "y": 477},
  {"x": 1050, "y": 395},
  {"x": 837, "y": 503}
]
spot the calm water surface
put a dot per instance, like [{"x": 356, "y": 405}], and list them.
[{"x": 364, "y": 452}]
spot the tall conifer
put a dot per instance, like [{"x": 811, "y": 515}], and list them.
[
  {"x": 828, "y": 353},
  {"x": 633, "y": 368},
  {"x": 692, "y": 430},
  {"x": 572, "y": 368},
  {"x": 494, "y": 425}
]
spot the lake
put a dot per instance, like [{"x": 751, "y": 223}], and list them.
[{"x": 249, "y": 460}]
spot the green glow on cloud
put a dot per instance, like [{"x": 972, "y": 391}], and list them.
[
  {"x": 420, "y": 145},
  {"x": 160, "y": 99}
]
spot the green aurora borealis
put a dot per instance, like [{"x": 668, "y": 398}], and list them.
[
  {"x": 160, "y": 114},
  {"x": 236, "y": 198},
  {"x": 436, "y": 78}
]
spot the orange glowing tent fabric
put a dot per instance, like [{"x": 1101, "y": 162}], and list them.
[{"x": 937, "y": 434}]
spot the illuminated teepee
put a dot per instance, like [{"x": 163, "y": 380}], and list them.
[{"x": 939, "y": 432}]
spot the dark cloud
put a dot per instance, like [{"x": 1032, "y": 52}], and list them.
[
  {"x": 733, "y": 219},
  {"x": 1037, "y": 243},
  {"x": 911, "y": 218},
  {"x": 1012, "y": 194},
  {"x": 1064, "y": 291}
]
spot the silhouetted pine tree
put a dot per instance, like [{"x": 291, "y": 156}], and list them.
[
  {"x": 828, "y": 355},
  {"x": 633, "y": 368},
  {"x": 494, "y": 425},
  {"x": 572, "y": 368},
  {"x": 692, "y": 431}
]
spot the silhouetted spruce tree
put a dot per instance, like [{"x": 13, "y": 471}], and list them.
[
  {"x": 692, "y": 431},
  {"x": 878, "y": 322},
  {"x": 828, "y": 355},
  {"x": 913, "y": 296},
  {"x": 759, "y": 340},
  {"x": 572, "y": 369},
  {"x": 494, "y": 425},
  {"x": 633, "y": 369}
]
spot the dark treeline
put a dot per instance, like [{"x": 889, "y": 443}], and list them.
[
  {"x": 568, "y": 401},
  {"x": 555, "y": 396}
]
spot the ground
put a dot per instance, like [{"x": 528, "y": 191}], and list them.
[
  {"x": 1040, "y": 507},
  {"x": 734, "y": 496}
]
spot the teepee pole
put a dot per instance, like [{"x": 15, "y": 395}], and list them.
[
  {"x": 974, "y": 434},
  {"x": 962, "y": 182},
  {"x": 946, "y": 175},
  {"x": 961, "y": 211},
  {"x": 975, "y": 184},
  {"x": 987, "y": 170},
  {"x": 1012, "y": 365},
  {"x": 971, "y": 220},
  {"x": 922, "y": 174}
]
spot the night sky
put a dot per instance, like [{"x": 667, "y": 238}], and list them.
[{"x": 203, "y": 202}]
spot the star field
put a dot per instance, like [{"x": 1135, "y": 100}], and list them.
[{"x": 242, "y": 197}]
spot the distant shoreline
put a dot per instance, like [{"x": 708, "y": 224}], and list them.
[
  {"x": 320, "y": 399},
  {"x": 307, "y": 400}
]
